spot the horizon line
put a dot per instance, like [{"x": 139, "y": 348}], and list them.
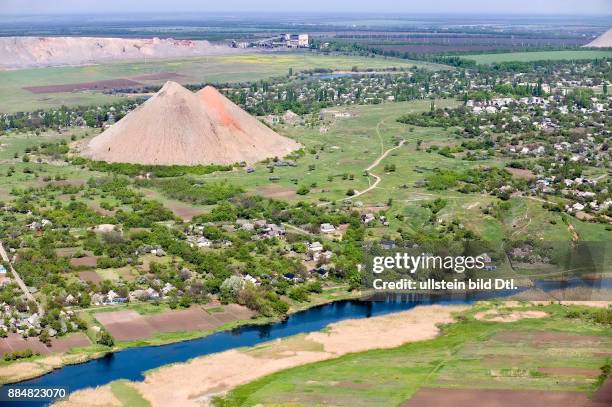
[{"x": 374, "y": 14}]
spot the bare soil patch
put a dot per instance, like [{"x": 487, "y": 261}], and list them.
[
  {"x": 353, "y": 385},
  {"x": 14, "y": 342},
  {"x": 184, "y": 212},
  {"x": 603, "y": 396},
  {"x": 183, "y": 320},
  {"x": 276, "y": 192},
  {"x": 90, "y": 277},
  {"x": 521, "y": 173},
  {"x": 494, "y": 398},
  {"x": 129, "y": 325},
  {"x": 85, "y": 261},
  {"x": 497, "y": 315},
  {"x": 570, "y": 371},
  {"x": 584, "y": 216},
  {"x": 125, "y": 325},
  {"x": 535, "y": 338},
  {"x": 80, "y": 86},
  {"x": 180, "y": 209}
]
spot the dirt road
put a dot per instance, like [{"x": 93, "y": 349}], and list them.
[
  {"x": 18, "y": 279},
  {"x": 374, "y": 165}
]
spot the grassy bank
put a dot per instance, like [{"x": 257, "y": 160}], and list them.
[{"x": 474, "y": 354}]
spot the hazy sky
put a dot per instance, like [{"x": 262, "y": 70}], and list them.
[{"x": 601, "y": 7}]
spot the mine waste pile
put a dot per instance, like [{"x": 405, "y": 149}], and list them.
[
  {"x": 35, "y": 52},
  {"x": 603, "y": 41},
  {"x": 180, "y": 127}
]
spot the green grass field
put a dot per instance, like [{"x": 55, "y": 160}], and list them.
[
  {"x": 538, "y": 56},
  {"x": 212, "y": 69},
  {"x": 346, "y": 146},
  {"x": 470, "y": 354}
]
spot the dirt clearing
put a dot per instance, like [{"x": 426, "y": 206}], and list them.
[
  {"x": 184, "y": 211},
  {"x": 570, "y": 371},
  {"x": 276, "y": 192},
  {"x": 85, "y": 261},
  {"x": 521, "y": 173},
  {"x": 497, "y": 315},
  {"x": 90, "y": 277}
]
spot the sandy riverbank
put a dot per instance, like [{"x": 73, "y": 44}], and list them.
[
  {"x": 195, "y": 382},
  {"x": 28, "y": 369}
]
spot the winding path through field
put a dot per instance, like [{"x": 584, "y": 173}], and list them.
[
  {"x": 374, "y": 165},
  {"x": 377, "y": 178}
]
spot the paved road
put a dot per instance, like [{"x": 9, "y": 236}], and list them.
[{"x": 18, "y": 279}]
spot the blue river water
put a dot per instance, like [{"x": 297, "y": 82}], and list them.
[{"x": 132, "y": 363}]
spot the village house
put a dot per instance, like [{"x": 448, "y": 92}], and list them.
[
  {"x": 314, "y": 248},
  {"x": 321, "y": 271},
  {"x": 368, "y": 218},
  {"x": 327, "y": 228},
  {"x": 247, "y": 278}
]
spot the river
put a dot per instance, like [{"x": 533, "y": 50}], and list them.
[{"x": 132, "y": 363}]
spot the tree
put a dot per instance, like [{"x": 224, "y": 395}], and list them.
[
  {"x": 105, "y": 339},
  {"x": 44, "y": 337},
  {"x": 230, "y": 288},
  {"x": 298, "y": 293},
  {"x": 185, "y": 301}
]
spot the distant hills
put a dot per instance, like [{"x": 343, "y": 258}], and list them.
[{"x": 31, "y": 52}]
